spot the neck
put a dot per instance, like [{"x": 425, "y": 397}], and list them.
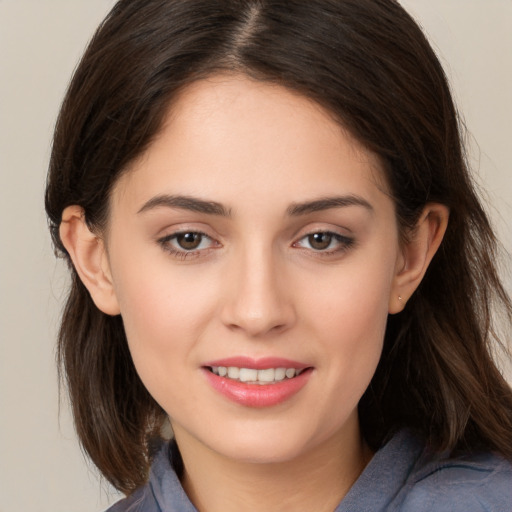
[{"x": 315, "y": 480}]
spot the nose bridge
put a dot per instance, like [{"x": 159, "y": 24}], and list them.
[{"x": 258, "y": 302}]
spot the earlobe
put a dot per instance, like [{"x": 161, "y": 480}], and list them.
[
  {"x": 417, "y": 254},
  {"x": 89, "y": 257}
]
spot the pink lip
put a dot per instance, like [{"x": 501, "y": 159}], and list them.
[{"x": 257, "y": 395}]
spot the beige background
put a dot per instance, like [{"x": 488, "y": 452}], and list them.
[{"x": 41, "y": 466}]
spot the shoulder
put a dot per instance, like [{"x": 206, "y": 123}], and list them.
[
  {"x": 473, "y": 483},
  {"x": 163, "y": 491},
  {"x": 142, "y": 500}
]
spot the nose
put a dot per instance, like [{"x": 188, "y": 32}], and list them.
[{"x": 258, "y": 300}]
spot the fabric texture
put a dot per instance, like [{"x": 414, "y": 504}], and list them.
[{"x": 401, "y": 477}]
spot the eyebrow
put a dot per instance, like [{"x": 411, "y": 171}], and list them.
[
  {"x": 326, "y": 203},
  {"x": 186, "y": 203},
  {"x": 213, "y": 208}
]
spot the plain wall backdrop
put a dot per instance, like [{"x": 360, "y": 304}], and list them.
[{"x": 41, "y": 466}]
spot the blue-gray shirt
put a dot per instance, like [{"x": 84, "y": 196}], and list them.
[{"x": 402, "y": 476}]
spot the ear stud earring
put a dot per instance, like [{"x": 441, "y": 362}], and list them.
[{"x": 400, "y": 297}]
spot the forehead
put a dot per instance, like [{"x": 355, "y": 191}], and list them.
[{"x": 229, "y": 132}]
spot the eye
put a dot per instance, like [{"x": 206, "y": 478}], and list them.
[
  {"x": 187, "y": 243},
  {"x": 320, "y": 241},
  {"x": 325, "y": 242}
]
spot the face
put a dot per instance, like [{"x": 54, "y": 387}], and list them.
[{"x": 253, "y": 250}]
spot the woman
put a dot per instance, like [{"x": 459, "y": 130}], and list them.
[{"x": 275, "y": 244}]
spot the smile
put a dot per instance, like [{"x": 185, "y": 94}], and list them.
[
  {"x": 265, "y": 382},
  {"x": 254, "y": 376}
]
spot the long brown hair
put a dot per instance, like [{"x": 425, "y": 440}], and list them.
[{"x": 368, "y": 63}]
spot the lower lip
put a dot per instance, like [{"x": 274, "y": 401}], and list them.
[{"x": 258, "y": 395}]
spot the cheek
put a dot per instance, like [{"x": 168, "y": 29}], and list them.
[
  {"x": 162, "y": 312},
  {"x": 352, "y": 300},
  {"x": 156, "y": 296},
  {"x": 354, "y": 325},
  {"x": 162, "y": 333},
  {"x": 349, "y": 313}
]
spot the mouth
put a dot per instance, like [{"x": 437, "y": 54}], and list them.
[
  {"x": 264, "y": 382},
  {"x": 256, "y": 376}
]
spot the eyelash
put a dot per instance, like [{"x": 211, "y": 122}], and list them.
[
  {"x": 166, "y": 243},
  {"x": 344, "y": 243}
]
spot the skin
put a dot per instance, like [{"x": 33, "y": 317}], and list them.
[{"x": 256, "y": 285}]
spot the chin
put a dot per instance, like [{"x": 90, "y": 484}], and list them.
[{"x": 261, "y": 445}]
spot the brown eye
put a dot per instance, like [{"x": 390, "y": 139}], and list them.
[
  {"x": 320, "y": 241},
  {"x": 188, "y": 244},
  {"x": 325, "y": 243},
  {"x": 189, "y": 241}
]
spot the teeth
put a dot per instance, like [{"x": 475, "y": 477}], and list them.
[
  {"x": 279, "y": 373},
  {"x": 266, "y": 375},
  {"x": 290, "y": 373},
  {"x": 246, "y": 374},
  {"x": 233, "y": 372},
  {"x": 251, "y": 375}
]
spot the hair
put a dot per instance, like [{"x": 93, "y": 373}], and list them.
[{"x": 370, "y": 66}]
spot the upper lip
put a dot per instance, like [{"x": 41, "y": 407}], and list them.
[{"x": 262, "y": 363}]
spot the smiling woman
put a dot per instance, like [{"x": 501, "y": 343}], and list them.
[{"x": 277, "y": 255}]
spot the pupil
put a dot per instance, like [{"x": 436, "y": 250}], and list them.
[
  {"x": 320, "y": 241},
  {"x": 189, "y": 240}
]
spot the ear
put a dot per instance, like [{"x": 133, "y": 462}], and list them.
[
  {"x": 417, "y": 254},
  {"x": 89, "y": 257}
]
